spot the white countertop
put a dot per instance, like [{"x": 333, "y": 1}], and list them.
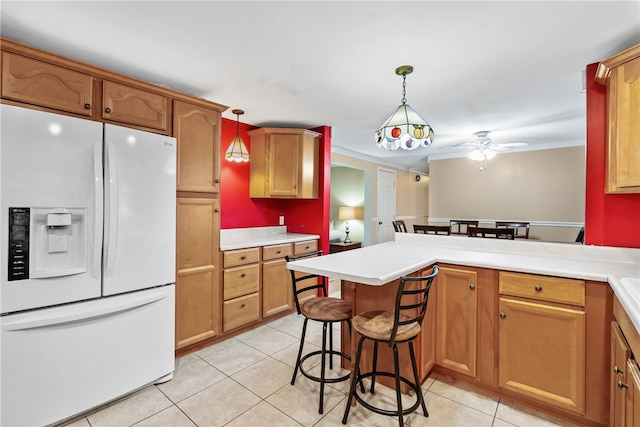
[
  {"x": 241, "y": 238},
  {"x": 385, "y": 262}
]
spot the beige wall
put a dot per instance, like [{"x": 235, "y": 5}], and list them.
[
  {"x": 412, "y": 198},
  {"x": 547, "y": 187}
]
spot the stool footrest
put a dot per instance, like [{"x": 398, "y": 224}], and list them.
[
  {"x": 327, "y": 353},
  {"x": 381, "y": 411}
]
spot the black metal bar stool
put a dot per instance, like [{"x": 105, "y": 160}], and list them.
[
  {"x": 401, "y": 325},
  {"x": 323, "y": 309}
]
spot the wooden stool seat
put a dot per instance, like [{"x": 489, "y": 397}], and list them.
[
  {"x": 378, "y": 325},
  {"x": 326, "y": 309}
]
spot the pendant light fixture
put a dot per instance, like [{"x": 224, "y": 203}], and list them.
[
  {"x": 237, "y": 151},
  {"x": 405, "y": 128}
]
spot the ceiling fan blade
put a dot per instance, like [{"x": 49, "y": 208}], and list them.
[{"x": 509, "y": 145}]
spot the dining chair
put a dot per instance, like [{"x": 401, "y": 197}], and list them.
[
  {"x": 521, "y": 229},
  {"x": 431, "y": 229},
  {"x": 461, "y": 226},
  {"x": 399, "y": 226},
  {"x": 327, "y": 310},
  {"x": 494, "y": 233},
  {"x": 402, "y": 325}
]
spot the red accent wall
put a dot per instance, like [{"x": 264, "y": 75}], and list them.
[
  {"x": 238, "y": 210},
  {"x": 610, "y": 219}
]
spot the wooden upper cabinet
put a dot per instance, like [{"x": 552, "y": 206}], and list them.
[
  {"x": 43, "y": 84},
  {"x": 126, "y": 104},
  {"x": 621, "y": 74},
  {"x": 284, "y": 163},
  {"x": 197, "y": 130}
]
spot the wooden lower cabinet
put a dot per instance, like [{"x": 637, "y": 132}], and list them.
[
  {"x": 197, "y": 291},
  {"x": 632, "y": 406},
  {"x": 620, "y": 353},
  {"x": 542, "y": 352},
  {"x": 277, "y": 290},
  {"x": 241, "y": 286},
  {"x": 457, "y": 308}
]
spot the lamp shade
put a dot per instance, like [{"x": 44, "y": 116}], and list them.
[
  {"x": 237, "y": 151},
  {"x": 346, "y": 213}
]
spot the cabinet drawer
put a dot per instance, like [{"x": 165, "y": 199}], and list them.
[
  {"x": 276, "y": 251},
  {"x": 241, "y": 257},
  {"x": 241, "y": 281},
  {"x": 40, "y": 83},
  {"x": 240, "y": 311},
  {"x": 305, "y": 247},
  {"x": 134, "y": 106},
  {"x": 544, "y": 288}
]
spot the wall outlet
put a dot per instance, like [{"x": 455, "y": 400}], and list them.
[{"x": 281, "y": 220}]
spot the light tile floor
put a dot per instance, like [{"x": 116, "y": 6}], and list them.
[{"x": 245, "y": 381}]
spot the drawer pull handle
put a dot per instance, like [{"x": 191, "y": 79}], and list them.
[
  {"x": 243, "y": 257},
  {"x": 243, "y": 305},
  {"x": 617, "y": 370},
  {"x": 243, "y": 275},
  {"x": 503, "y": 315},
  {"x": 472, "y": 286},
  {"x": 87, "y": 106},
  {"x": 306, "y": 247},
  {"x": 538, "y": 288},
  {"x": 278, "y": 252},
  {"x": 621, "y": 385},
  {"x": 107, "y": 110}
]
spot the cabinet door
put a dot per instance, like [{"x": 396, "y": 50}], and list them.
[
  {"x": 457, "y": 305},
  {"x": 197, "y": 130},
  {"x": 277, "y": 290},
  {"x": 542, "y": 352},
  {"x": 284, "y": 155},
  {"x": 632, "y": 405},
  {"x": 40, "y": 83},
  {"x": 428, "y": 335},
  {"x": 197, "y": 290},
  {"x": 619, "y": 354},
  {"x": 623, "y": 172},
  {"x": 134, "y": 106}
]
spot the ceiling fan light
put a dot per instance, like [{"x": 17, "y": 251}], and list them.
[
  {"x": 489, "y": 154},
  {"x": 476, "y": 154}
]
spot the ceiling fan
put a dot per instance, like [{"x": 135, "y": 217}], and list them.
[{"x": 482, "y": 148}]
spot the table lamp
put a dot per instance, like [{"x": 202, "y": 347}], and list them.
[{"x": 345, "y": 213}]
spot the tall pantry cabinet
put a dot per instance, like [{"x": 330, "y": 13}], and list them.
[{"x": 197, "y": 130}]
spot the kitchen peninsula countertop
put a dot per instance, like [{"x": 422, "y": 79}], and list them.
[
  {"x": 241, "y": 238},
  {"x": 385, "y": 262}
]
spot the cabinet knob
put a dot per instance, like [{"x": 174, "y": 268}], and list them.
[
  {"x": 243, "y": 305},
  {"x": 503, "y": 314},
  {"x": 617, "y": 370},
  {"x": 217, "y": 181},
  {"x": 472, "y": 286},
  {"x": 216, "y": 210},
  {"x": 87, "y": 106},
  {"x": 243, "y": 257},
  {"x": 621, "y": 385},
  {"x": 107, "y": 110},
  {"x": 243, "y": 275},
  {"x": 278, "y": 252},
  {"x": 538, "y": 288}
]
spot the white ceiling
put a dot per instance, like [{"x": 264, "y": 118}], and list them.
[{"x": 512, "y": 67}]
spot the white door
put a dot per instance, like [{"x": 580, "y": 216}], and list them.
[
  {"x": 140, "y": 210},
  {"x": 51, "y": 191},
  {"x": 386, "y": 204}
]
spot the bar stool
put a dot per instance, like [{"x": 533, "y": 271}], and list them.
[
  {"x": 401, "y": 325},
  {"x": 323, "y": 309}
]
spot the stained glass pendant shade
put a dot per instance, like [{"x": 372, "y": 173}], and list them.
[
  {"x": 237, "y": 151},
  {"x": 405, "y": 128}
]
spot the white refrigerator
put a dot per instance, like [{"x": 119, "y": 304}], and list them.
[{"x": 87, "y": 291}]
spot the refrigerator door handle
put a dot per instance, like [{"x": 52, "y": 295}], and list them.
[
  {"x": 97, "y": 209},
  {"x": 111, "y": 213},
  {"x": 82, "y": 312}
]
